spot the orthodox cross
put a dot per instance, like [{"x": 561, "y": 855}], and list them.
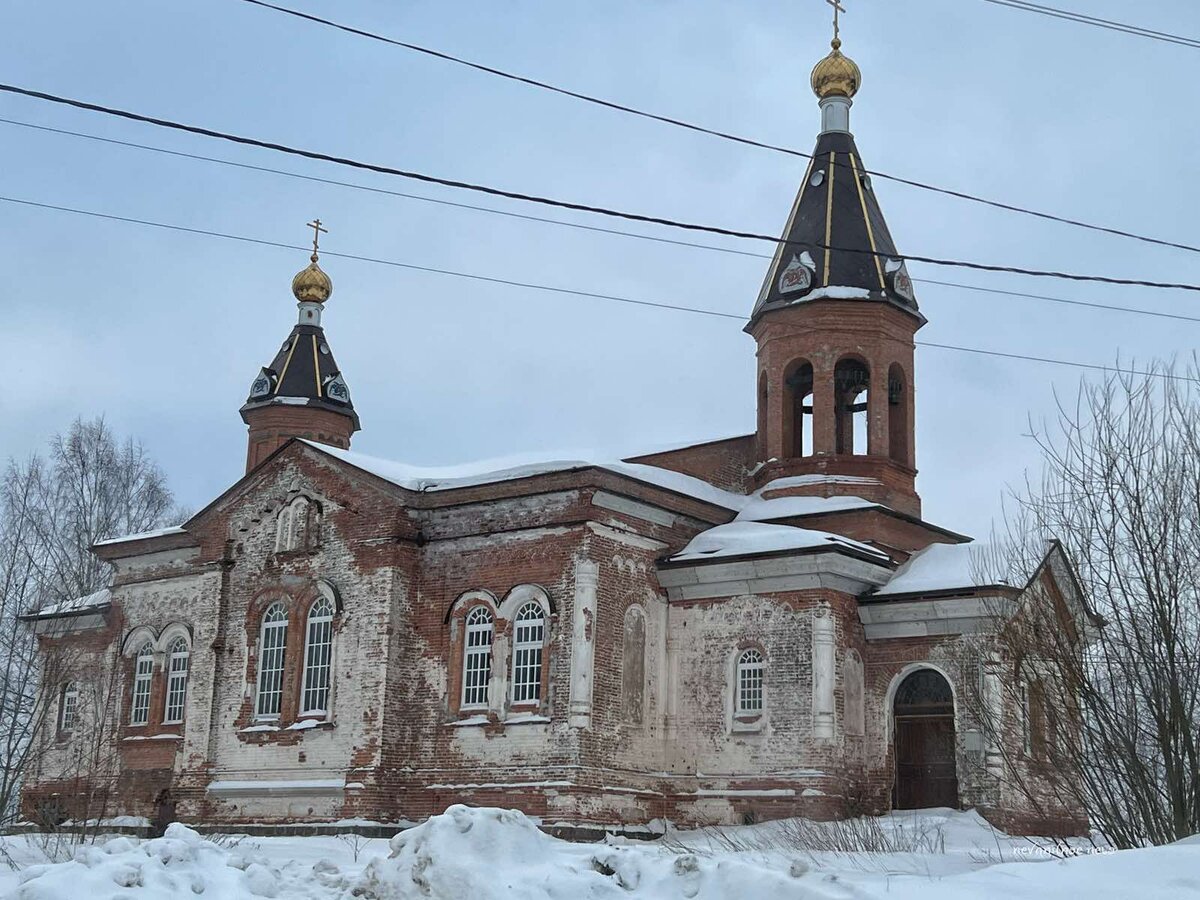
[
  {"x": 837, "y": 8},
  {"x": 315, "y": 225}
]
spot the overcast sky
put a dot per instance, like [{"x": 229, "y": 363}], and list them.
[{"x": 163, "y": 332}]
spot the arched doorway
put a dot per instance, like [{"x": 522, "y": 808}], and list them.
[{"x": 923, "y": 725}]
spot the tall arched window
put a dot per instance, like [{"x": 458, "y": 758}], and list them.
[
  {"x": 272, "y": 643},
  {"x": 897, "y": 415},
  {"x": 750, "y": 671},
  {"x": 177, "y": 673},
  {"x": 851, "y": 380},
  {"x": 318, "y": 657},
  {"x": 477, "y": 657},
  {"x": 799, "y": 384},
  {"x": 143, "y": 674},
  {"x": 68, "y": 708},
  {"x": 529, "y": 633}
]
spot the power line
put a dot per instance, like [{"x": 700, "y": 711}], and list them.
[
  {"x": 693, "y": 310},
  {"x": 1083, "y": 19},
  {"x": 679, "y": 123},
  {"x": 565, "y": 223},
  {"x": 564, "y": 204}
]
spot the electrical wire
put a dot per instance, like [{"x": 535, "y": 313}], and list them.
[
  {"x": 564, "y": 204},
  {"x": 491, "y": 210},
  {"x": 679, "y": 123},
  {"x": 547, "y": 288},
  {"x": 1084, "y": 19}
]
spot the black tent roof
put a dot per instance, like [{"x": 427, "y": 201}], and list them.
[{"x": 836, "y": 243}]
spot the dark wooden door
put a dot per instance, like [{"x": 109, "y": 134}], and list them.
[{"x": 925, "y": 773}]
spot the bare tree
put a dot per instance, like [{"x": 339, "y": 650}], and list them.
[
  {"x": 1107, "y": 719},
  {"x": 52, "y": 509}
]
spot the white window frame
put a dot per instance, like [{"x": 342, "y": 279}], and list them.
[
  {"x": 318, "y": 670},
  {"x": 528, "y": 655},
  {"x": 143, "y": 678},
  {"x": 478, "y": 634},
  {"x": 175, "y": 697},
  {"x": 68, "y": 708},
  {"x": 750, "y": 683},
  {"x": 272, "y": 639}
]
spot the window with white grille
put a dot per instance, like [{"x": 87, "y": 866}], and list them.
[
  {"x": 318, "y": 658},
  {"x": 750, "y": 683},
  {"x": 68, "y": 708},
  {"x": 529, "y": 633},
  {"x": 177, "y": 674},
  {"x": 272, "y": 644},
  {"x": 143, "y": 673},
  {"x": 477, "y": 657}
]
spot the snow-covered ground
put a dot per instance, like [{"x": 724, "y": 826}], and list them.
[{"x": 484, "y": 854}]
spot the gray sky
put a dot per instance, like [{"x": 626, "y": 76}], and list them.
[{"x": 163, "y": 332}]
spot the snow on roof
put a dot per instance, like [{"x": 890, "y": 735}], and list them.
[
  {"x": 810, "y": 480},
  {"x": 444, "y": 478},
  {"x": 752, "y": 538},
  {"x": 939, "y": 567},
  {"x": 142, "y": 535},
  {"x": 836, "y": 292},
  {"x": 760, "y": 510},
  {"x": 76, "y": 605}
]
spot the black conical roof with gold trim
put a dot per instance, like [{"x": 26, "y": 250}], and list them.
[
  {"x": 836, "y": 243},
  {"x": 303, "y": 373}
]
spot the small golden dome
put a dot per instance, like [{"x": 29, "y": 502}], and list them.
[
  {"x": 836, "y": 75},
  {"x": 311, "y": 284}
]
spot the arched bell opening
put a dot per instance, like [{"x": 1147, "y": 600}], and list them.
[
  {"x": 898, "y": 443},
  {"x": 762, "y": 416},
  {"x": 798, "y": 410},
  {"x": 851, "y": 383},
  {"x": 924, "y": 742}
]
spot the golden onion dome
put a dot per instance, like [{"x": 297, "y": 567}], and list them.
[
  {"x": 311, "y": 284},
  {"x": 836, "y": 75}
]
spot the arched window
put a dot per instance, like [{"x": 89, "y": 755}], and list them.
[
  {"x": 750, "y": 670},
  {"x": 897, "y": 415},
  {"x": 851, "y": 380},
  {"x": 272, "y": 644},
  {"x": 800, "y": 410},
  {"x": 477, "y": 657},
  {"x": 177, "y": 673},
  {"x": 68, "y": 708},
  {"x": 529, "y": 633},
  {"x": 143, "y": 673},
  {"x": 318, "y": 657}
]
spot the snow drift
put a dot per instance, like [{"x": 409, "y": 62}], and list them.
[{"x": 487, "y": 854}]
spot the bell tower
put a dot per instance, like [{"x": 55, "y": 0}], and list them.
[
  {"x": 834, "y": 323},
  {"x": 301, "y": 393}
]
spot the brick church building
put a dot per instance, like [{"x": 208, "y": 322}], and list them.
[{"x": 748, "y": 628}]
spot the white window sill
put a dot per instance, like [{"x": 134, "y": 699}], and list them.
[
  {"x": 252, "y": 729},
  {"x": 746, "y": 725},
  {"x": 154, "y": 737},
  {"x": 526, "y": 718},
  {"x": 470, "y": 721}
]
